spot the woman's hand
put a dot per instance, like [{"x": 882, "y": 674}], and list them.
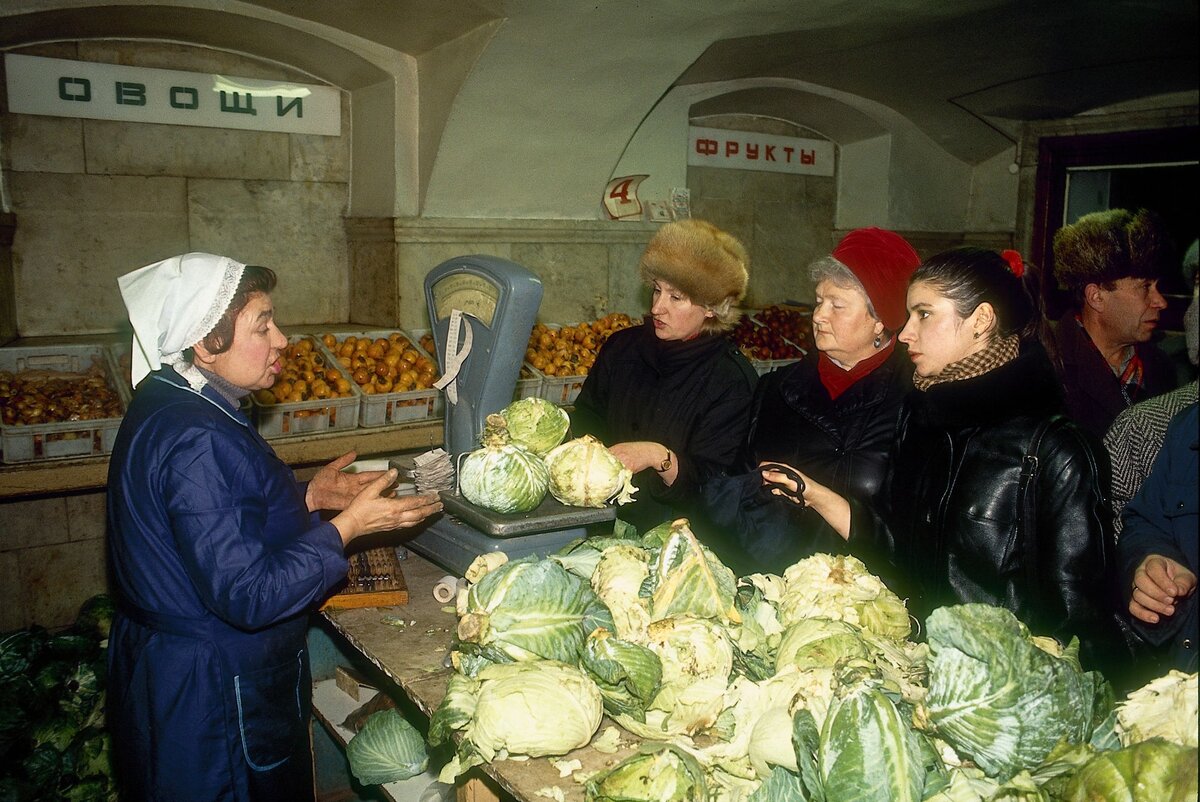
[
  {"x": 825, "y": 502},
  {"x": 1158, "y": 583},
  {"x": 371, "y": 511},
  {"x": 333, "y": 489},
  {"x": 638, "y": 455}
]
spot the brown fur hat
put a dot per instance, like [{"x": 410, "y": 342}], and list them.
[
  {"x": 703, "y": 262},
  {"x": 1102, "y": 247}
]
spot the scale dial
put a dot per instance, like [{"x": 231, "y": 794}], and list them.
[{"x": 472, "y": 294}]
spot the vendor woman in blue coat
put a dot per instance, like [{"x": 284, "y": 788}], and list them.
[{"x": 217, "y": 552}]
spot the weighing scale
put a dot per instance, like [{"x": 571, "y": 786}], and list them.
[{"x": 482, "y": 309}]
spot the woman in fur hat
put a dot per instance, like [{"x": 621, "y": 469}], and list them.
[
  {"x": 832, "y": 415},
  {"x": 671, "y": 397}
]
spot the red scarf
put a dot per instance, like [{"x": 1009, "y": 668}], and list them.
[{"x": 837, "y": 381}]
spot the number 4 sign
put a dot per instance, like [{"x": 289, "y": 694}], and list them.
[{"x": 621, "y": 200}]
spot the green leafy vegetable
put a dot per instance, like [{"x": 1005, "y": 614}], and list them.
[
  {"x": 1150, "y": 771},
  {"x": 536, "y": 424},
  {"x": 664, "y": 775},
  {"x": 583, "y": 473},
  {"x": 527, "y": 609},
  {"x": 502, "y": 476},
  {"x": 627, "y": 674},
  {"x": 997, "y": 697},
  {"x": 868, "y": 752},
  {"x": 687, "y": 578},
  {"x": 387, "y": 749}
]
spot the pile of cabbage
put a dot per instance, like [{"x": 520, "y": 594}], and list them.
[
  {"x": 805, "y": 686},
  {"x": 523, "y": 457}
]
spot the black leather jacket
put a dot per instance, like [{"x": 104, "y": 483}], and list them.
[
  {"x": 842, "y": 443},
  {"x": 951, "y": 523}
]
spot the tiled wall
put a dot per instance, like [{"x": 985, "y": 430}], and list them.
[{"x": 51, "y": 558}]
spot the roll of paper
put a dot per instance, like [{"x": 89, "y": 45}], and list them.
[{"x": 445, "y": 589}]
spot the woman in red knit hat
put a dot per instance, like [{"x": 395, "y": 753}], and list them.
[{"x": 831, "y": 415}]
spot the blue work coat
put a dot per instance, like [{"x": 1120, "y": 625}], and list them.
[{"x": 216, "y": 563}]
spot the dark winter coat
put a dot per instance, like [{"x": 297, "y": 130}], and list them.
[
  {"x": 842, "y": 443},
  {"x": 1091, "y": 390},
  {"x": 216, "y": 563},
  {"x": 693, "y": 397},
  {"x": 1163, "y": 518},
  {"x": 951, "y": 519}
]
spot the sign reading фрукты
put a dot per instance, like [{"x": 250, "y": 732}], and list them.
[
  {"x": 63, "y": 88},
  {"x": 744, "y": 150}
]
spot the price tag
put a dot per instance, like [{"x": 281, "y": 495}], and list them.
[{"x": 455, "y": 356}]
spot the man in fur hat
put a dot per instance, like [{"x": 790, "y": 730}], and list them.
[{"x": 1111, "y": 262}]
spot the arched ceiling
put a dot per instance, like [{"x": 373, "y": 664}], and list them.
[{"x": 537, "y": 73}]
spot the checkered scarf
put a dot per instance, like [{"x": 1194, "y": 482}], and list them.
[{"x": 1000, "y": 351}]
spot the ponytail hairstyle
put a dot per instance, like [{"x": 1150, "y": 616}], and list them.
[{"x": 971, "y": 276}]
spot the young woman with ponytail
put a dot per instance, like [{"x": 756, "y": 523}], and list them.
[{"x": 991, "y": 495}]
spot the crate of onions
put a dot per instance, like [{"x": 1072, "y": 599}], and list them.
[{"x": 58, "y": 402}]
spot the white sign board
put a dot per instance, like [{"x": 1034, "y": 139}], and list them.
[
  {"x": 62, "y": 88},
  {"x": 743, "y": 150}
]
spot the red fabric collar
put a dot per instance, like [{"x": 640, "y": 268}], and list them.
[{"x": 837, "y": 381}]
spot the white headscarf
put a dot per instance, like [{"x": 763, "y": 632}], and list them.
[{"x": 174, "y": 304}]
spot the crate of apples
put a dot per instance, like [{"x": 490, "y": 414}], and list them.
[
  {"x": 792, "y": 323},
  {"x": 312, "y": 394},
  {"x": 394, "y": 375}
]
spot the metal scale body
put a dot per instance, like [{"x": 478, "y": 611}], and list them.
[{"x": 482, "y": 309}]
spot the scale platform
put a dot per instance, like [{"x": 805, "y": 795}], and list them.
[
  {"x": 550, "y": 515},
  {"x": 466, "y": 530}
]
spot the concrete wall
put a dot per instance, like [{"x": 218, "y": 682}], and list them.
[{"x": 93, "y": 199}]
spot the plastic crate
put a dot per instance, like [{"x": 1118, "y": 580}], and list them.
[
  {"x": 382, "y": 409},
  {"x": 292, "y": 419},
  {"x": 64, "y": 439},
  {"x": 561, "y": 390},
  {"x": 528, "y": 387}
]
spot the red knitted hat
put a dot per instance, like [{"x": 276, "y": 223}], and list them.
[{"x": 883, "y": 261}]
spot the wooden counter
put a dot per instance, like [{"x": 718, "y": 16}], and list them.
[
  {"x": 411, "y": 655},
  {"x": 60, "y": 476}
]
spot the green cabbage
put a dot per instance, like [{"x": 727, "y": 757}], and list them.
[
  {"x": 619, "y": 574},
  {"x": 661, "y": 774},
  {"x": 583, "y": 473},
  {"x": 687, "y": 578},
  {"x": 1150, "y": 771},
  {"x": 819, "y": 643},
  {"x": 387, "y": 749},
  {"x": 1163, "y": 708},
  {"x": 868, "y": 751},
  {"x": 536, "y": 708},
  {"x": 502, "y": 476},
  {"x": 536, "y": 424},
  {"x": 628, "y": 674},
  {"x": 697, "y": 659},
  {"x": 996, "y": 696},
  {"x": 841, "y": 587},
  {"x": 528, "y": 609}
]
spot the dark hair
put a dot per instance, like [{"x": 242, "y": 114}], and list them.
[
  {"x": 255, "y": 279},
  {"x": 971, "y": 276}
]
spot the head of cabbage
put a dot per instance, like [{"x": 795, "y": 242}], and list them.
[
  {"x": 583, "y": 473},
  {"x": 536, "y": 424},
  {"x": 536, "y": 708},
  {"x": 502, "y": 476}
]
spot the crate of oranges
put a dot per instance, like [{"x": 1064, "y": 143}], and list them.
[
  {"x": 393, "y": 374},
  {"x": 312, "y": 394},
  {"x": 563, "y": 355}
]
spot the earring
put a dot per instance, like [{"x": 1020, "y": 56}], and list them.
[
  {"x": 976, "y": 335},
  {"x": 878, "y": 341}
]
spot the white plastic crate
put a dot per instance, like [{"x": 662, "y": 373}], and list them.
[
  {"x": 291, "y": 419},
  {"x": 530, "y": 387},
  {"x": 63, "y": 439},
  {"x": 381, "y": 409}
]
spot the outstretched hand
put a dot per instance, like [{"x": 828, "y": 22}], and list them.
[
  {"x": 331, "y": 488},
  {"x": 1159, "y": 583},
  {"x": 373, "y": 511}
]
